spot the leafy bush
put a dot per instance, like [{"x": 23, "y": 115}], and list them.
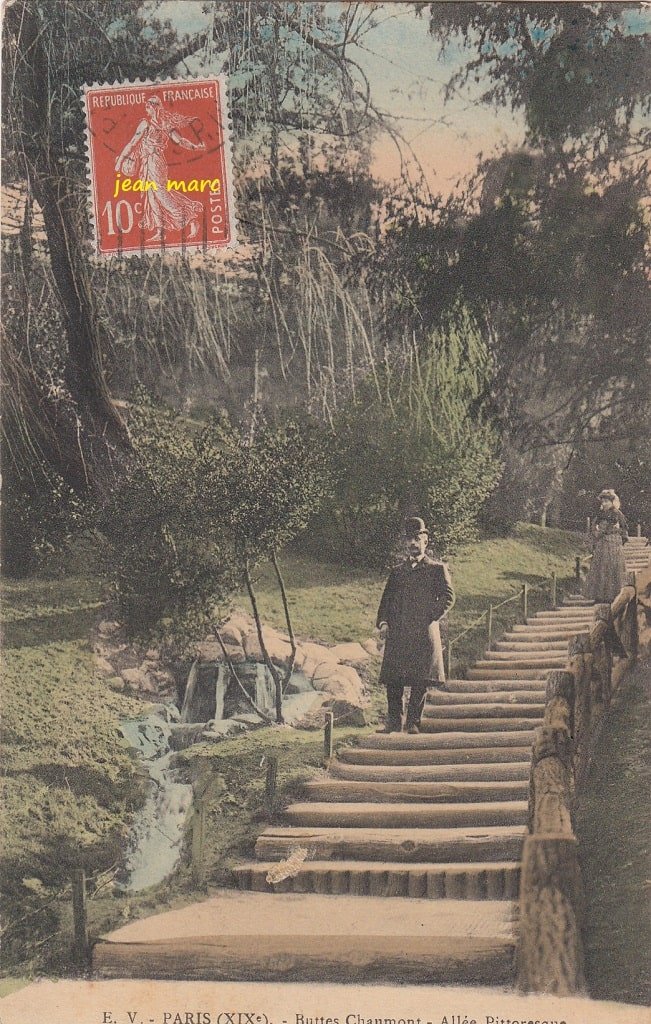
[
  {"x": 412, "y": 442},
  {"x": 195, "y": 508}
]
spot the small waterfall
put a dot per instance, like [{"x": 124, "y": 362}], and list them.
[{"x": 156, "y": 839}]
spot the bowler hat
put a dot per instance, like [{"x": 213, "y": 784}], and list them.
[{"x": 414, "y": 525}]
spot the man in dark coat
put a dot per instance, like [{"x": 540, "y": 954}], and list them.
[{"x": 418, "y": 593}]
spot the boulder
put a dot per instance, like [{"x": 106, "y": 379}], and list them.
[
  {"x": 152, "y": 654},
  {"x": 104, "y": 665},
  {"x": 371, "y": 646},
  {"x": 252, "y": 648},
  {"x": 343, "y": 712},
  {"x": 107, "y": 628},
  {"x": 116, "y": 683},
  {"x": 352, "y": 652},
  {"x": 230, "y": 634},
  {"x": 318, "y": 652},
  {"x": 298, "y": 683},
  {"x": 138, "y": 680}
]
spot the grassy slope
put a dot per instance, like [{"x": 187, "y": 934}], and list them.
[
  {"x": 612, "y": 823},
  {"x": 68, "y": 782},
  {"x": 68, "y": 785}
]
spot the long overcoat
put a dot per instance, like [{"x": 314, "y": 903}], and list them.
[{"x": 413, "y": 601}]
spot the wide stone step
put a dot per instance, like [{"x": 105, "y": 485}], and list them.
[
  {"x": 461, "y": 844},
  {"x": 455, "y": 756},
  {"x": 494, "y": 686},
  {"x": 405, "y": 815},
  {"x": 431, "y": 724},
  {"x": 487, "y": 671},
  {"x": 489, "y": 880},
  {"x": 239, "y": 936},
  {"x": 340, "y": 790},
  {"x": 472, "y": 711},
  {"x": 563, "y": 615},
  {"x": 441, "y": 698},
  {"x": 448, "y": 741},
  {"x": 549, "y": 631},
  {"x": 531, "y": 646},
  {"x": 546, "y": 659},
  {"x": 510, "y": 670},
  {"x": 489, "y": 773},
  {"x": 577, "y": 601}
]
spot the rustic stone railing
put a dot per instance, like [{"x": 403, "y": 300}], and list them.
[{"x": 550, "y": 953}]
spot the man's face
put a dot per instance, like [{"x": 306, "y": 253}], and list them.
[{"x": 416, "y": 545}]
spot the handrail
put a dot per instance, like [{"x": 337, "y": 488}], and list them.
[
  {"x": 550, "y": 950},
  {"x": 522, "y": 594}
]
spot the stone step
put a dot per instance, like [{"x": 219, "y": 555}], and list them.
[
  {"x": 494, "y": 686},
  {"x": 430, "y": 724},
  {"x": 437, "y": 845},
  {"x": 563, "y": 615},
  {"x": 490, "y": 880},
  {"x": 448, "y": 741},
  {"x": 487, "y": 671},
  {"x": 484, "y": 710},
  {"x": 455, "y": 756},
  {"x": 442, "y": 698},
  {"x": 405, "y": 815},
  {"x": 546, "y": 659},
  {"x": 576, "y": 601},
  {"x": 340, "y": 790},
  {"x": 531, "y": 646},
  {"x": 262, "y": 937},
  {"x": 509, "y": 666},
  {"x": 530, "y": 635},
  {"x": 490, "y": 773}
]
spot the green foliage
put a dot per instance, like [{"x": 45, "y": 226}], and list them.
[
  {"x": 195, "y": 506},
  {"x": 412, "y": 441}
]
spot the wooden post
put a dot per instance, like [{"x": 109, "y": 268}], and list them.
[
  {"x": 199, "y": 839},
  {"x": 550, "y": 953},
  {"x": 79, "y": 913},
  {"x": 449, "y": 658},
  {"x": 271, "y": 780},
  {"x": 588, "y": 524},
  {"x": 490, "y": 627},
  {"x": 525, "y": 601},
  {"x": 328, "y": 735},
  {"x": 577, "y": 568},
  {"x": 639, "y": 529},
  {"x": 554, "y": 594}
]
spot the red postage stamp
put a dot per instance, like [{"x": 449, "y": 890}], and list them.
[{"x": 159, "y": 166}]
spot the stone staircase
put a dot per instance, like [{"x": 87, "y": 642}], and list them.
[
  {"x": 435, "y": 821},
  {"x": 637, "y": 553},
  {"x": 441, "y": 815}
]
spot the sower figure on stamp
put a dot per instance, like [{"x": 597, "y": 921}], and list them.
[{"x": 418, "y": 593}]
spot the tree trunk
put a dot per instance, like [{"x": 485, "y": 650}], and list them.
[{"x": 90, "y": 433}]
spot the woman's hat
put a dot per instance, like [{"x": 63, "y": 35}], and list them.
[{"x": 609, "y": 493}]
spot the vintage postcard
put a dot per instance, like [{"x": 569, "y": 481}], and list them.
[{"x": 325, "y": 512}]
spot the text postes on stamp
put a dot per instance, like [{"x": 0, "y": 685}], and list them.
[{"x": 159, "y": 166}]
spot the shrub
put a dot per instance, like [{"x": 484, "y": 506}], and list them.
[{"x": 413, "y": 442}]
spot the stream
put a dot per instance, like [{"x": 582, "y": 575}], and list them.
[{"x": 156, "y": 838}]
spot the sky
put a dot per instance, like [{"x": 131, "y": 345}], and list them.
[{"x": 406, "y": 78}]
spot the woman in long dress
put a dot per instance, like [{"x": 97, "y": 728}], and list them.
[
  {"x": 144, "y": 157},
  {"x": 607, "y": 573}
]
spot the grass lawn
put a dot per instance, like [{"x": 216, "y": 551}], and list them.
[{"x": 70, "y": 785}]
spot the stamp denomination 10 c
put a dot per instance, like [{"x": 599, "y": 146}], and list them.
[{"x": 159, "y": 166}]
